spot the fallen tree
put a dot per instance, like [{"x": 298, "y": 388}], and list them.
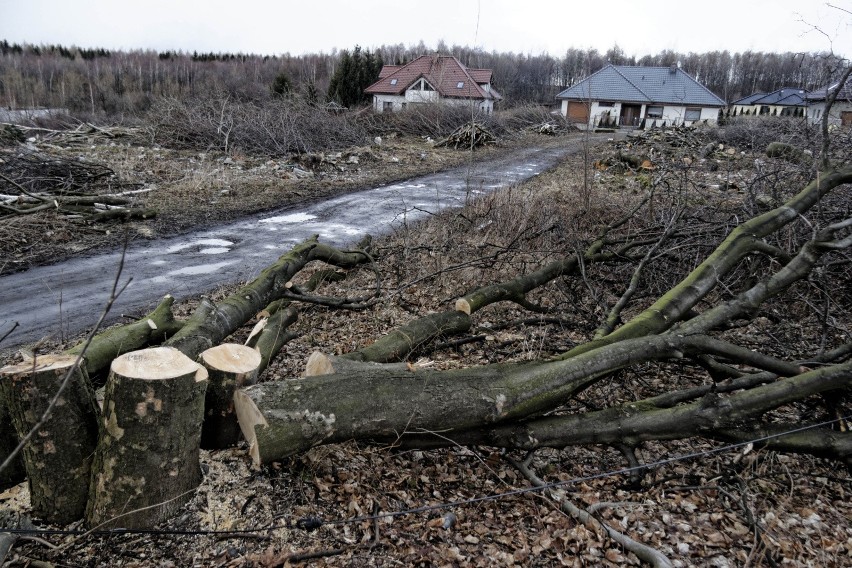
[
  {"x": 669, "y": 321},
  {"x": 503, "y": 404}
]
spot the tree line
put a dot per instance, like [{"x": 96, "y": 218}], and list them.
[{"x": 100, "y": 81}]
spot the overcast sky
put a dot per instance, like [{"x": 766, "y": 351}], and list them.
[{"x": 270, "y": 27}]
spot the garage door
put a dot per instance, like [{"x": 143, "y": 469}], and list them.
[{"x": 578, "y": 112}]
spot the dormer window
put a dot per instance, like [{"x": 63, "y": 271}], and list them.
[
  {"x": 393, "y": 81},
  {"x": 460, "y": 84}
]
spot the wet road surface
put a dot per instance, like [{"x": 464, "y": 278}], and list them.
[{"x": 67, "y": 297}]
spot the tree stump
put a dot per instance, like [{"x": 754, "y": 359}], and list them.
[
  {"x": 230, "y": 367},
  {"x": 147, "y": 460},
  {"x": 58, "y": 457},
  {"x": 14, "y": 473}
]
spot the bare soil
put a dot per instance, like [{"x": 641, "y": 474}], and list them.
[{"x": 736, "y": 507}]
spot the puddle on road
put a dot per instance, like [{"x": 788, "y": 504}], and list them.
[
  {"x": 220, "y": 244},
  {"x": 200, "y": 269},
  {"x": 214, "y": 250},
  {"x": 292, "y": 218}
]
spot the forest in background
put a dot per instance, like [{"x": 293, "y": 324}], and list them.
[{"x": 97, "y": 81}]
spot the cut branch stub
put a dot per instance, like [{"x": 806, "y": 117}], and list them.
[
  {"x": 147, "y": 460},
  {"x": 230, "y": 367},
  {"x": 58, "y": 457}
]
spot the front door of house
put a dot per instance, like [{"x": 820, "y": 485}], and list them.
[{"x": 630, "y": 115}]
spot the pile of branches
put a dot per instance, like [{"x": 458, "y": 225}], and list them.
[
  {"x": 431, "y": 119},
  {"x": 470, "y": 135},
  {"x": 535, "y": 118},
  {"x": 33, "y": 182},
  {"x": 273, "y": 128}
]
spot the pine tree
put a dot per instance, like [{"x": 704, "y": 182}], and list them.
[
  {"x": 354, "y": 73},
  {"x": 282, "y": 86}
]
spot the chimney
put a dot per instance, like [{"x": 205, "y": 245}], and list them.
[{"x": 673, "y": 69}]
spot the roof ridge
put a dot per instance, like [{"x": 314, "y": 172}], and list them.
[
  {"x": 635, "y": 86},
  {"x": 708, "y": 91}
]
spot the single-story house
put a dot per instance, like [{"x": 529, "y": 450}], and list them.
[
  {"x": 621, "y": 95},
  {"x": 432, "y": 79},
  {"x": 783, "y": 102},
  {"x": 841, "y": 110}
]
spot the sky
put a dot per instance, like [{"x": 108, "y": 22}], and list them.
[{"x": 275, "y": 27}]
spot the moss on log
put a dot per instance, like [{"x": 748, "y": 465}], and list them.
[{"x": 152, "y": 329}]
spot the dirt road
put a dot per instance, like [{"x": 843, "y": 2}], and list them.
[{"x": 68, "y": 297}]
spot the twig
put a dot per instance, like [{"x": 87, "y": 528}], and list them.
[
  {"x": 9, "y": 332},
  {"x": 642, "y": 551}
]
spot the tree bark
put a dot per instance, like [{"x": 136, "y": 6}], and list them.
[
  {"x": 281, "y": 418},
  {"x": 229, "y": 367},
  {"x": 14, "y": 472},
  {"x": 58, "y": 457},
  {"x": 146, "y": 465},
  {"x": 400, "y": 343},
  {"x": 221, "y": 320},
  {"x": 150, "y": 330}
]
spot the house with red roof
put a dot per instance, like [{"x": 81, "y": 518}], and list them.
[{"x": 433, "y": 79}]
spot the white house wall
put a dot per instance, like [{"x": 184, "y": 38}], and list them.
[
  {"x": 398, "y": 102},
  {"x": 672, "y": 114},
  {"x": 817, "y": 108},
  {"x": 380, "y": 100}
]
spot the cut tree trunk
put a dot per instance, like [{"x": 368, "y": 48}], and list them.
[
  {"x": 147, "y": 460},
  {"x": 14, "y": 472},
  {"x": 58, "y": 457},
  {"x": 230, "y": 367}
]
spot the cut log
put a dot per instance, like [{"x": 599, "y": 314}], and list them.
[
  {"x": 319, "y": 364},
  {"x": 208, "y": 329},
  {"x": 58, "y": 457},
  {"x": 150, "y": 330},
  {"x": 272, "y": 335},
  {"x": 147, "y": 460},
  {"x": 230, "y": 366},
  {"x": 400, "y": 343}
]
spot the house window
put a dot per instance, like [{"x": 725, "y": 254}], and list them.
[
  {"x": 387, "y": 105},
  {"x": 404, "y": 105},
  {"x": 606, "y": 104},
  {"x": 393, "y": 81},
  {"x": 460, "y": 84},
  {"x": 654, "y": 112},
  {"x": 692, "y": 114}
]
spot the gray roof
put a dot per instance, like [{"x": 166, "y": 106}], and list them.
[
  {"x": 787, "y": 96},
  {"x": 845, "y": 93},
  {"x": 642, "y": 85}
]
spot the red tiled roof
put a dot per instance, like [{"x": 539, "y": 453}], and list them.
[
  {"x": 443, "y": 72},
  {"x": 387, "y": 70},
  {"x": 480, "y": 75}
]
